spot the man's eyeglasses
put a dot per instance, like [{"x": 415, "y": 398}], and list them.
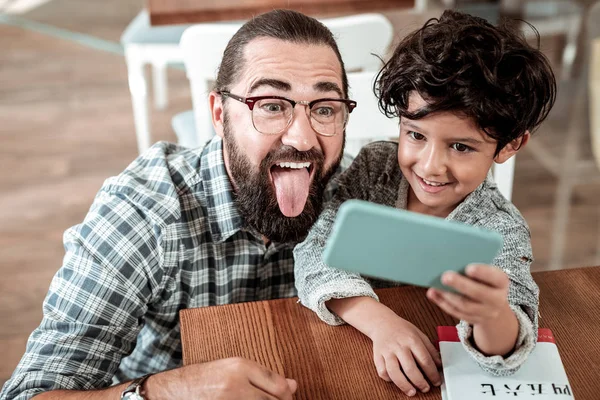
[{"x": 271, "y": 115}]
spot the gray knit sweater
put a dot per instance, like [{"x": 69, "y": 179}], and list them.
[{"x": 375, "y": 176}]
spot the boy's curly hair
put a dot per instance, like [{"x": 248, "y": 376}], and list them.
[{"x": 461, "y": 63}]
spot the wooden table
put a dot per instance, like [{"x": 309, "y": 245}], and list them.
[
  {"x": 192, "y": 11},
  {"x": 336, "y": 362}
]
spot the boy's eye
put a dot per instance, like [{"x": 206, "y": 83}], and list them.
[
  {"x": 462, "y": 148},
  {"x": 416, "y": 135}
]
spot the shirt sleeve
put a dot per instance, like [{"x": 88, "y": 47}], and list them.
[
  {"x": 515, "y": 260},
  {"x": 316, "y": 282},
  {"x": 96, "y": 302}
]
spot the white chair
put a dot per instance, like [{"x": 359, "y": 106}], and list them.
[
  {"x": 367, "y": 123},
  {"x": 202, "y": 46},
  {"x": 158, "y": 46},
  {"x": 593, "y": 34},
  {"x": 556, "y": 17},
  {"x": 184, "y": 126},
  {"x": 361, "y": 39},
  {"x": 358, "y": 37},
  {"x": 593, "y": 40},
  {"x": 572, "y": 169},
  {"x": 504, "y": 176},
  {"x": 355, "y": 36}
]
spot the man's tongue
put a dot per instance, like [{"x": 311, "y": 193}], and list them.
[{"x": 291, "y": 188}]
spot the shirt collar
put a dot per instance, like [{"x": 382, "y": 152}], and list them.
[{"x": 224, "y": 218}]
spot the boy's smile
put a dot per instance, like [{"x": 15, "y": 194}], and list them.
[{"x": 431, "y": 186}]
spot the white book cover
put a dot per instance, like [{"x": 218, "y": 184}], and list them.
[{"x": 541, "y": 377}]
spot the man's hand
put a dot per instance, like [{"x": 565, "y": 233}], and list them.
[
  {"x": 403, "y": 354},
  {"x": 482, "y": 301},
  {"x": 230, "y": 378},
  {"x": 226, "y": 379}
]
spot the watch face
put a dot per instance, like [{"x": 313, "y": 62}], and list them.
[{"x": 132, "y": 396}]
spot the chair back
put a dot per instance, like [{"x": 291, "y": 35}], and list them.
[
  {"x": 593, "y": 43},
  {"x": 203, "y": 46},
  {"x": 360, "y": 38},
  {"x": 504, "y": 175},
  {"x": 367, "y": 123}
]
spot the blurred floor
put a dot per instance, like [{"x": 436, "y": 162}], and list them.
[{"x": 66, "y": 125}]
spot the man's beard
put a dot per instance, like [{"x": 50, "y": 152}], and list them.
[{"x": 255, "y": 195}]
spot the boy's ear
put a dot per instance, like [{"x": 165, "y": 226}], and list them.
[
  {"x": 215, "y": 103},
  {"x": 512, "y": 148}
]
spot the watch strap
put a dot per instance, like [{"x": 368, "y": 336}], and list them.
[{"x": 135, "y": 387}]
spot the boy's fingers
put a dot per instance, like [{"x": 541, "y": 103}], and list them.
[
  {"x": 412, "y": 371},
  {"x": 380, "y": 367},
  {"x": 440, "y": 299},
  {"x": 464, "y": 305},
  {"x": 466, "y": 285},
  {"x": 435, "y": 354},
  {"x": 487, "y": 274},
  {"x": 392, "y": 366},
  {"x": 425, "y": 358}
]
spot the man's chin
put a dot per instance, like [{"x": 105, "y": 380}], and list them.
[
  {"x": 258, "y": 205},
  {"x": 274, "y": 225}
]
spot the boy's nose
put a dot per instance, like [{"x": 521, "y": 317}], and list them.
[{"x": 434, "y": 163}]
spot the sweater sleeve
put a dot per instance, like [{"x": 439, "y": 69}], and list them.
[
  {"x": 515, "y": 260},
  {"x": 316, "y": 282}
]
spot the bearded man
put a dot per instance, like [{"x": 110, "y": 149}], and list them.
[{"x": 182, "y": 228}]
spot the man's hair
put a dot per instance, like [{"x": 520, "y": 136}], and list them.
[
  {"x": 461, "y": 63},
  {"x": 287, "y": 25}
]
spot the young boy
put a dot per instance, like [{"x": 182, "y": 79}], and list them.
[{"x": 468, "y": 94}]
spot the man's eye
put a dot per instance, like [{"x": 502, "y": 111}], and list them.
[
  {"x": 272, "y": 107},
  {"x": 461, "y": 148},
  {"x": 416, "y": 135},
  {"x": 324, "y": 111}
]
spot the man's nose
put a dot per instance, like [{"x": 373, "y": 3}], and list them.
[{"x": 300, "y": 134}]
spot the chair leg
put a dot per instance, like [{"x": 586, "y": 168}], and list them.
[
  {"x": 564, "y": 189},
  {"x": 159, "y": 80},
  {"x": 570, "y": 50},
  {"x": 139, "y": 98},
  {"x": 597, "y": 261}
]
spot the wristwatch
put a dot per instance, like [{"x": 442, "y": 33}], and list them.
[{"x": 134, "y": 391}]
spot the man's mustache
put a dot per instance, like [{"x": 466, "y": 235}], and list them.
[{"x": 289, "y": 153}]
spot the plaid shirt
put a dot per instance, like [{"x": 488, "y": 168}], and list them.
[{"x": 164, "y": 235}]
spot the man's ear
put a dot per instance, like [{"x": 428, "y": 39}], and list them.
[
  {"x": 512, "y": 148},
  {"x": 215, "y": 103}
]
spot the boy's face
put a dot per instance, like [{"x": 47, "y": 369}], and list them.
[{"x": 444, "y": 157}]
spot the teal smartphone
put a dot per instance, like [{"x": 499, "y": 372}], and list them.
[{"x": 388, "y": 243}]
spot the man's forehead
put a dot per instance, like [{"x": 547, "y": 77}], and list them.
[{"x": 289, "y": 63}]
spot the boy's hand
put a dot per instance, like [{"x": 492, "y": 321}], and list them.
[
  {"x": 482, "y": 294},
  {"x": 483, "y": 303},
  {"x": 402, "y": 353}
]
